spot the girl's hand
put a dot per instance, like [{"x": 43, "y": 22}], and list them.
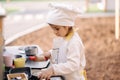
[
  {"x": 42, "y": 57},
  {"x": 46, "y": 73}
]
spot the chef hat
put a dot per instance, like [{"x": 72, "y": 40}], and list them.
[{"x": 61, "y": 14}]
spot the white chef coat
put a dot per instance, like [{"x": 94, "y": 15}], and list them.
[{"x": 68, "y": 58}]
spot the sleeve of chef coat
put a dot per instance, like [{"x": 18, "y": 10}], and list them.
[{"x": 73, "y": 60}]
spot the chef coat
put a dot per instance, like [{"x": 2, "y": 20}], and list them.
[{"x": 67, "y": 57}]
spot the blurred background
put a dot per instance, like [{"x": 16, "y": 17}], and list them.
[{"x": 24, "y": 24}]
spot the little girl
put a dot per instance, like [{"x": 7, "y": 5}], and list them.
[{"x": 67, "y": 55}]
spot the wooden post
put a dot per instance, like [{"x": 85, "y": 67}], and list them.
[
  {"x": 1, "y": 48},
  {"x": 87, "y": 5},
  {"x": 1, "y": 25},
  {"x": 7, "y": 1},
  {"x": 1, "y": 44},
  {"x": 117, "y": 18},
  {"x": 105, "y": 5}
]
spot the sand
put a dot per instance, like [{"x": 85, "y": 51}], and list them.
[{"x": 102, "y": 49}]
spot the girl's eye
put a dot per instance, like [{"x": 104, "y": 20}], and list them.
[{"x": 57, "y": 29}]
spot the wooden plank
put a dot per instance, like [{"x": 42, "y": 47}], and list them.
[
  {"x": 23, "y": 76},
  {"x": 117, "y": 18}
]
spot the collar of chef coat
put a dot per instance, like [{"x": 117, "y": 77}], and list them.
[{"x": 69, "y": 36}]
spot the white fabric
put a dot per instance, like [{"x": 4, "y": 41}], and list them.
[
  {"x": 69, "y": 60},
  {"x": 62, "y": 14}
]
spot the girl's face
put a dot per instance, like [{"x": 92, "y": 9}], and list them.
[{"x": 61, "y": 31}]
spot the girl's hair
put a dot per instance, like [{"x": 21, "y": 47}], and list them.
[{"x": 70, "y": 29}]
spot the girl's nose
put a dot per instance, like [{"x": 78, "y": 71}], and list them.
[{"x": 55, "y": 31}]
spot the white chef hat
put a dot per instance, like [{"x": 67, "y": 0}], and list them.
[{"x": 61, "y": 14}]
